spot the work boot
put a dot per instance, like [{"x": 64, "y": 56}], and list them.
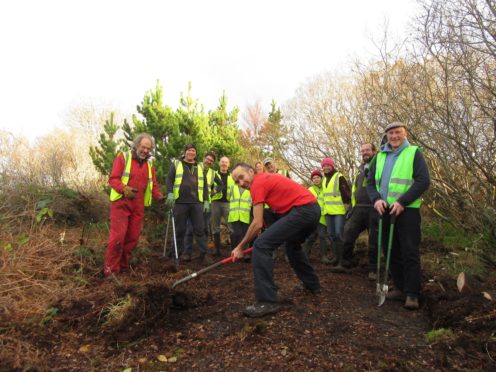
[
  {"x": 396, "y": 295},
  {"x": 185, "y": 257},
  {"x": 411, "y": 303},
  {"x": 206, "y": 259},
  {"x": 323, "y": 252},
  {"x": 217, "y": 244},
  {"x": 260, "y": 309},
  {"x": 315, "y": 291},
  {"x": 339, "y": 268},
  {"x": 334, "y": 260}
]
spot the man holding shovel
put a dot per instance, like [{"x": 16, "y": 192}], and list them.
[
  {"x": 297, "y": 216},
  {"x": 397, "y": 179}
]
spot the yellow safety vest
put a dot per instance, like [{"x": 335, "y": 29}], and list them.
[
  {"x": 401, "y": 176},
  {"x": 230, "y": 183},
  {"x": 209, "y": 178},
  {"x": 179, "y": 179},
  {"x": 128, "y": 157},
  {"x": 317, "y": 192},
  {"x": 239, "y": 204},
  {"x": 333, "y": 202}
]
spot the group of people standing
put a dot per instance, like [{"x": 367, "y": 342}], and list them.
[{"x": 263, "y": 207}]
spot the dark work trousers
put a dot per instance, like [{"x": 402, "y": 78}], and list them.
[
  {"x": 292, "y": 228},
  {"x": 188, "y": 238},
  {"x": 405, "y": 254},
  {"x": 269, "y": 218},
  {"x": 358, "y": 220},
  {"x": 193, "y": 212},
  {"x": 239, "y": 231}
]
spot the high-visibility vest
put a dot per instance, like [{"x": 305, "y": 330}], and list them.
[
  {"x": 401, "y": 176},
  {"x": 333, "y": 202},
  {"x": 128, "y": 157},
  {"x": 210, "y": 176},
  {"x": 179, "y": 179},
  {"x": 239, "y": 204},
  {"x": 317, "y": 192},
  {"x": 230, "y": 183},
  {"x": 354, "y": 187}
]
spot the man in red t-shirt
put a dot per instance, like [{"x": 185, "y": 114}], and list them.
[{"x": 297, "y": 216}]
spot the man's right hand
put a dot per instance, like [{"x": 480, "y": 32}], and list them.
[
  {"x": 380, "y": 206},
  {"x": 169, "y": 202},
  {"x": 237, "y": 253},
  {"x": 129, "y": 192}
]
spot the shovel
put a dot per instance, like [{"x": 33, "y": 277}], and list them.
[
  {"x": 163, "y": 257},
  {"x": 208, "y": 268},
  {"x": 382, "y": 289}
]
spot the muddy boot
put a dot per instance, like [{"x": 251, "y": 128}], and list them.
[
  {"x": 323, "y": 252},
  {"x": 217, "y": 244},
  {"x": 334, "y": 260},
  {"x": 206, "y": 259},
  {"x": 339, "y": 255}
]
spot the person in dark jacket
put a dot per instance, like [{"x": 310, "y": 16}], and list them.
[
  {"x": 397, "y": 179},
  {"x": 187, "y": 194},
  {"x": 362, "y": 215}
]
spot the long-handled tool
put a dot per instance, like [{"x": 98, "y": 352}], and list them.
[
  {"x": 175, "y": 241},
  {"x": 383, "y": 288},
  {"x": 208, "y": 268},
  {"x": 166, "y": 235}
]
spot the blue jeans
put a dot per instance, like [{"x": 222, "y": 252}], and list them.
[
  {"x": 293, "y": 229},
  {"x": 335, "y": 226}
]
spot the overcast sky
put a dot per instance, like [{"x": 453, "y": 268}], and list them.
[{"x": 58, "y": 54}]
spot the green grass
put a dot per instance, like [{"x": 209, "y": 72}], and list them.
[
  {"x": 440, "y": 335},
  {"x": 458, "y": 250}
]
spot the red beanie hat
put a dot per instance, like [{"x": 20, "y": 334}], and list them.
[
  {"x": 316, "y": 173},
  {"x": 327, "y": 161}
]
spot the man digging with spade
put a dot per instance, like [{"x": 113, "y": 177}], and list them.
[{"x": 297, "y": 216}]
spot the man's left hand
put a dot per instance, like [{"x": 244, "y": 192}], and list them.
[
  {"x": 396, "y": 209},
  {"x": 206, "y": 206}
]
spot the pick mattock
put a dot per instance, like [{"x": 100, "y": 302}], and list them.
[
  {"x": 175, "y": 241},
  {"x": 382, "y": 289},
  {"x": 166, "y": 235},
  {"x": 208, "y": 268}
]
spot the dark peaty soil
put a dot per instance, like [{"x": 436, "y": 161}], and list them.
[{"x": 199, "y": 326}]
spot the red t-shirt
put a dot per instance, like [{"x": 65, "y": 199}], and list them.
[{"x": 279, "y": 192}]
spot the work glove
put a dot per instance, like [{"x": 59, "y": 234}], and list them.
[
  {"x": 169, "y": 202},
  {"x": 129, "y": 192},
  {"x": 206, "y": 206}
]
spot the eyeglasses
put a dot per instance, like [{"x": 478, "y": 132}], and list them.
[{"x": 266, "y": 164}]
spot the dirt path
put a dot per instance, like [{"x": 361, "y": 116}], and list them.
[
  {"x": 199, "y": 326},
  {"x": 341, "y": 328}
]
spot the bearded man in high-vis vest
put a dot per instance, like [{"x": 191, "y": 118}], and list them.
[
  {"x": 187, "y": 194},
  {"x": 362, "y": 215},
  {"x": 133, "y": 185},
  {"x": 397, "y": 179}
]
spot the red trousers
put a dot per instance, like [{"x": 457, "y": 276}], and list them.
[{"x": 126, "y": 217}]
